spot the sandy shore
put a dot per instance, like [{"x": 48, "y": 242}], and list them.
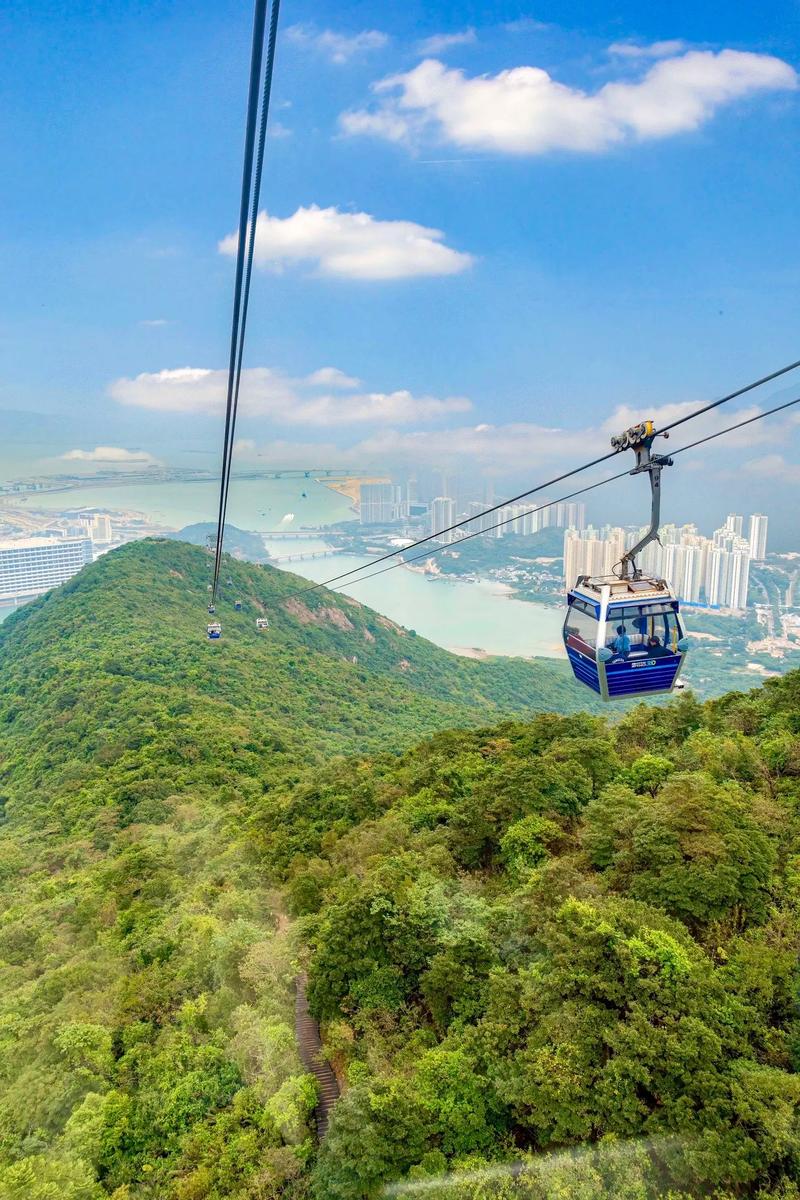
[
  {"x": 469, "y": 651},
  {"x": 349, "y": 487}
]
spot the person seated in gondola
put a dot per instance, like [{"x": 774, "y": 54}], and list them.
[
  {"x": 621, "y": 644},
  {"x": 654, "y": 647}
]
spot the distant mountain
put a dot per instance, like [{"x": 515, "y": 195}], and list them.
[{"x": 241, "y": 543}]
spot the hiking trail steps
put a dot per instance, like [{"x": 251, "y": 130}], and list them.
[{"x": 310, "y": 1046}]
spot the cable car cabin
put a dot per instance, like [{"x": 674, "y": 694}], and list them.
[
  {"x": 211, "y": 610},
  {"x": 237, "y": 604},
  {"x": 624, "y": 637},
  {"x": 262, "y": 623},
  {"x": 214, "y": 630}
]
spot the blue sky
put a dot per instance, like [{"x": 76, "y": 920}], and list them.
[{"x": 569, "y": 213}]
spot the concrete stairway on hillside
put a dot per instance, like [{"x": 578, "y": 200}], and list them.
[{"x": 310, "y": 1046}]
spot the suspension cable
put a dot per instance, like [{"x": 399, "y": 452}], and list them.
[
  {"x": 256, "y": 52},
  {"x": 244, "y": 250},
  {"x": 431, "y": 537},
  {"x": 739, "y": 425},
  {"x": 732, "y": 396},
  {"x": 251, "y": 241},
  {"x": 403, "y": 562},
  {"x": 508, "y": 520}
]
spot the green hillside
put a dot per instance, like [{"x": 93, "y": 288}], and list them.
[
  {"x": 559, "y": 934},
  {"x": 521, "y": 936},
  {"x": 140, "y": 946},
  {"x": 135, "y": 621}
]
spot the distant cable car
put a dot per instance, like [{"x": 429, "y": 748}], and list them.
[
  {"x": 237, "y": 604},
  {"x": 624, "y": 634},
  {"x": 211, "y": 609},
  {"x": 262, "y": 623},
  {"x": 214, "y": 630}
]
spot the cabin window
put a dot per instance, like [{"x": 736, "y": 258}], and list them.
[
  {"x": 580, "y": 629},
  {"x": 638, "y": 629}
]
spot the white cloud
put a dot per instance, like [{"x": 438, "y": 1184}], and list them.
[
  {"x": 338, "y": 47},
  {"x": 521, "y": 447},
  {"x": 111, "y": 454},
  {"x": 386, "y": 121},
  {"x": 378, "y": 408},
  {"x": 439, "y": 42},
  {"x": 156, "y": 323},
  {"x": 351, "y": 245},
  {"x": 493, "y": 448},
  {"x": 324, "y": 398},
  {"x": 332, "y": 377},
  {"x": 774, "y": 467},
  {"x": 525, "y": 111},
  {"x": 517, "y": 445},
  {"x": 654, "y": 50}
]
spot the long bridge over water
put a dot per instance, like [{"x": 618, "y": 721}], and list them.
[
  {"x": 289, "y": 535},
  {"x": 27, "y": 489},
  {"x": 304, "y": 556}
]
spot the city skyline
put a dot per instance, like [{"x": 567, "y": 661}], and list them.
[{"x": 712, "y": 571}]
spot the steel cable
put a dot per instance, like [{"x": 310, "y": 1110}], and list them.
[
  {"x": 557, "y": 479},
  {"x": 251, "y": 240},
  {"x": 508, "y": 520}
]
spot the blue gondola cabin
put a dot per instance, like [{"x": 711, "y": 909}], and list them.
[{"x": 625, "y": 637}]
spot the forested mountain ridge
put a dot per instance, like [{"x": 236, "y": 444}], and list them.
[
  {"x": 145, "y": 981},
  {"x": 137, "y": 616},
  {"x": 519, "y": 938}
]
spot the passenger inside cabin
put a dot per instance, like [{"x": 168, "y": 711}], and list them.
[
  {"x": 621, "y": 643},
  {"x": 654, "y": 647}
]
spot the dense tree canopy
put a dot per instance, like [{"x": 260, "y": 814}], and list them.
[
  {"x": 570, "y": 935},
  {"x": 560, "y": 942}
]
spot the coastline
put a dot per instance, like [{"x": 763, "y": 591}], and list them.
[
  {"x": 349, "y": 487},
  {"x": 470, "y": 652}
]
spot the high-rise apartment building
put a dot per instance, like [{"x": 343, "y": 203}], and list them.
[
  {"x": 567, "y": 514},
  {"x": 30, "y": 566},
  {"x": 592, "y": 552},
  {"x": 527, "y": 517},
  {"x": 714, "y": 571},
  {"x": 381, "y": 503},
  {"x": 101, "y": 531},
  {"x": 738, "y": 581},
  {"x": 757, "y": 535},
  {"x": 443, "y": 513},
  {"x": 483, "y": 522}
]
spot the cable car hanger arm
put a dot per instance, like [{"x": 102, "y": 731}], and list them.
[{"x": 640, "y": 438}]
